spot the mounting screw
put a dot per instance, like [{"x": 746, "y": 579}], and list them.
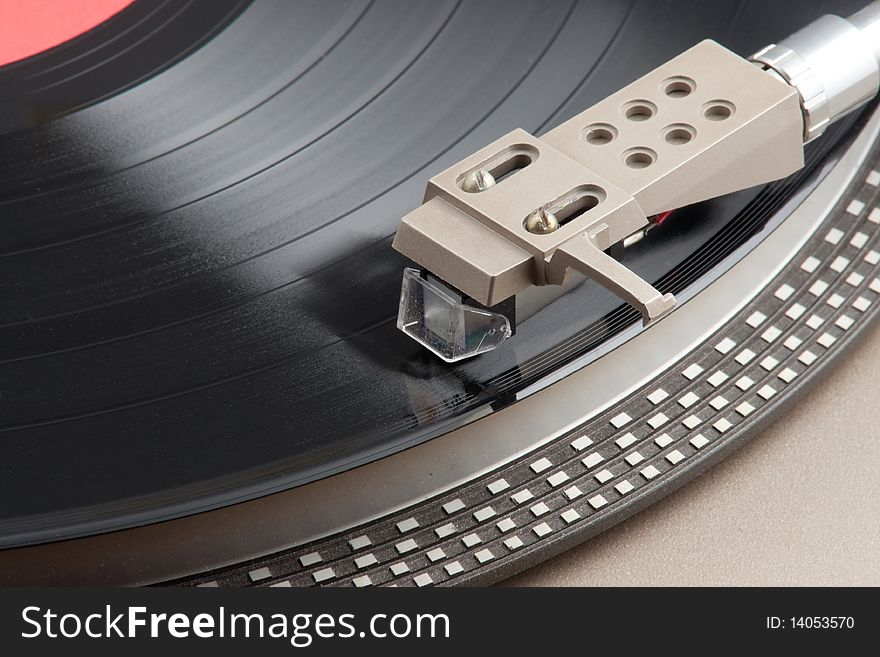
[
  {"x": 477, "y": 181},
  {"x": 541, "y": 222}
]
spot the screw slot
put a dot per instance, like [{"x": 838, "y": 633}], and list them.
[
  {"x": 718, "y": 110},
  {"x": 541, "y": 222},
  {"x": 477, "y": 181},
  {"x": 599, "y": 134},
  {"x": 639, "y": 158},
  {"x": 678, "y": 133},
  {"x": 569, "y": 207},
  {"x": 502, "y": 165},
  {"x": 678, "y": 86},
  {"x": 639, "y": 110}
]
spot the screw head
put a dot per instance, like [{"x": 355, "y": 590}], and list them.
[
  {"x": 541, "y": 222},
  {"x": 477, "y": 181}
]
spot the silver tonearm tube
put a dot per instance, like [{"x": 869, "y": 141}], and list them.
[{"x": 833, "y": 62}]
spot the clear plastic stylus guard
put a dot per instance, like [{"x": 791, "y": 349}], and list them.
[{"x": 443, "y": 324}]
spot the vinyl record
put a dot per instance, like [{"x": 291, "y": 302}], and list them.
[{"x": 197, "y": 290}]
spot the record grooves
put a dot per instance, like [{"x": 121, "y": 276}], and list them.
[{"x": 197, "y": 292}]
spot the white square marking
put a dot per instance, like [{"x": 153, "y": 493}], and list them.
[
  {"x": 604, "y": 475},
  {"x": 592, "y": 460},
  {"x": 873, "y": 178},
  {"x": 539, "y": 509},
  {"x": 745, "y": 408},
  {"x": 445, "y": 530},
  {"x": 861, "y": 304},
  {"x": 688, "y": 400},
  {"x": 540, "y": 465},
  {"x": 542, "y": 530},
  {"x": 744, "y": 383},
  {"x": 674, "y": 456},
  {"x": 766, "y": 392},
  {"x": 366, "y": 561},
  {"x": 875, "y": 285},
  {"x": 725, "y": 345},
  {"x": 834, "y": 235},
  {"x": 484, "y": 555},
  {"x": 310, "y": 559},
  {"x": 323, "y": 575},
  {"x": 855, "y": 207},
  {"x": 557, "y": 479},
  {"x": 807, "y": 358},
  {"x": 658, "y": 421},
  {"x": 505, "y": 525},
  {"x": 810, "y": 264},
  {"x": 406, "y": 546},
  {"x": 722, "y": 425},
  {"x": 635, "y": 458},
  {"x": 785, "y": 290},
  {"x": 872, "y": 257},
  {"x": 650, "y": 472},
  {"x": 818, "y": 288},
  {"x": 620, "y": 419},
  {"x": 692, "y": 371},
  {"x": 787, "y": 375},
  {"x": 814, "y": 322},
  {"x": 874, "y": 216},
  {"x": 625, "y": 440},
  {"x": 513, "y": 542},
  {"x": 471, "y": 540},
  {"x": 769, "y": 363},
  {"x": 663, "y": 440},
  {"x": 399, "y": 568},
  {"x": 522, "y": 496},
  {"x": 259, "y": 573},
  {"x": 484, "y": 514},
  {"x": 623, "y": 487},
  {"x": 363, "y": 580},
  {"x": 757, "y": 318},
  {"x": 597, "y": 501},
  {"x": 745, "y": 356},
  {"x": 795, "y": 311},
  {"x": 657, "y": 396},
  {"x": 717, "y": 379},
  {"x": 573, "y": 492},
  {"x": 497, "y": 486},
  {"x": 581, "y": 443},
  {"x": 718, "y": 403},
  {"x": 453, "y": 506},
  {"x": 453, "y": 568},
  {"x": 699, "y": 441},
  {"x": 854, "y": 279},
  {"x": 359, "y": 542},
  {"x": 826, "y": 340},
  {"x": 839, "y": 264},
  {"x": 691, "y": 421},
  {"x": 407, "y": 525},
  {"x": 844, "y": 322},
  {"x": 792, "y": 342},
  {"x": 771, "y": 334},
  {"x": 859, "y": 240},
  {"x": 423, "y": 579},
  {"x": 570, "y": 516}
]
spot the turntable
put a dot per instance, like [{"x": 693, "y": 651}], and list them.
[{"x": 202, "y": 376}]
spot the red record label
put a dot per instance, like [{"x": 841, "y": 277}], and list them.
[{"x": 28, "y": 27}]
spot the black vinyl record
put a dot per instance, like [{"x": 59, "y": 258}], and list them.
[{"x": 197, "y": 200}]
